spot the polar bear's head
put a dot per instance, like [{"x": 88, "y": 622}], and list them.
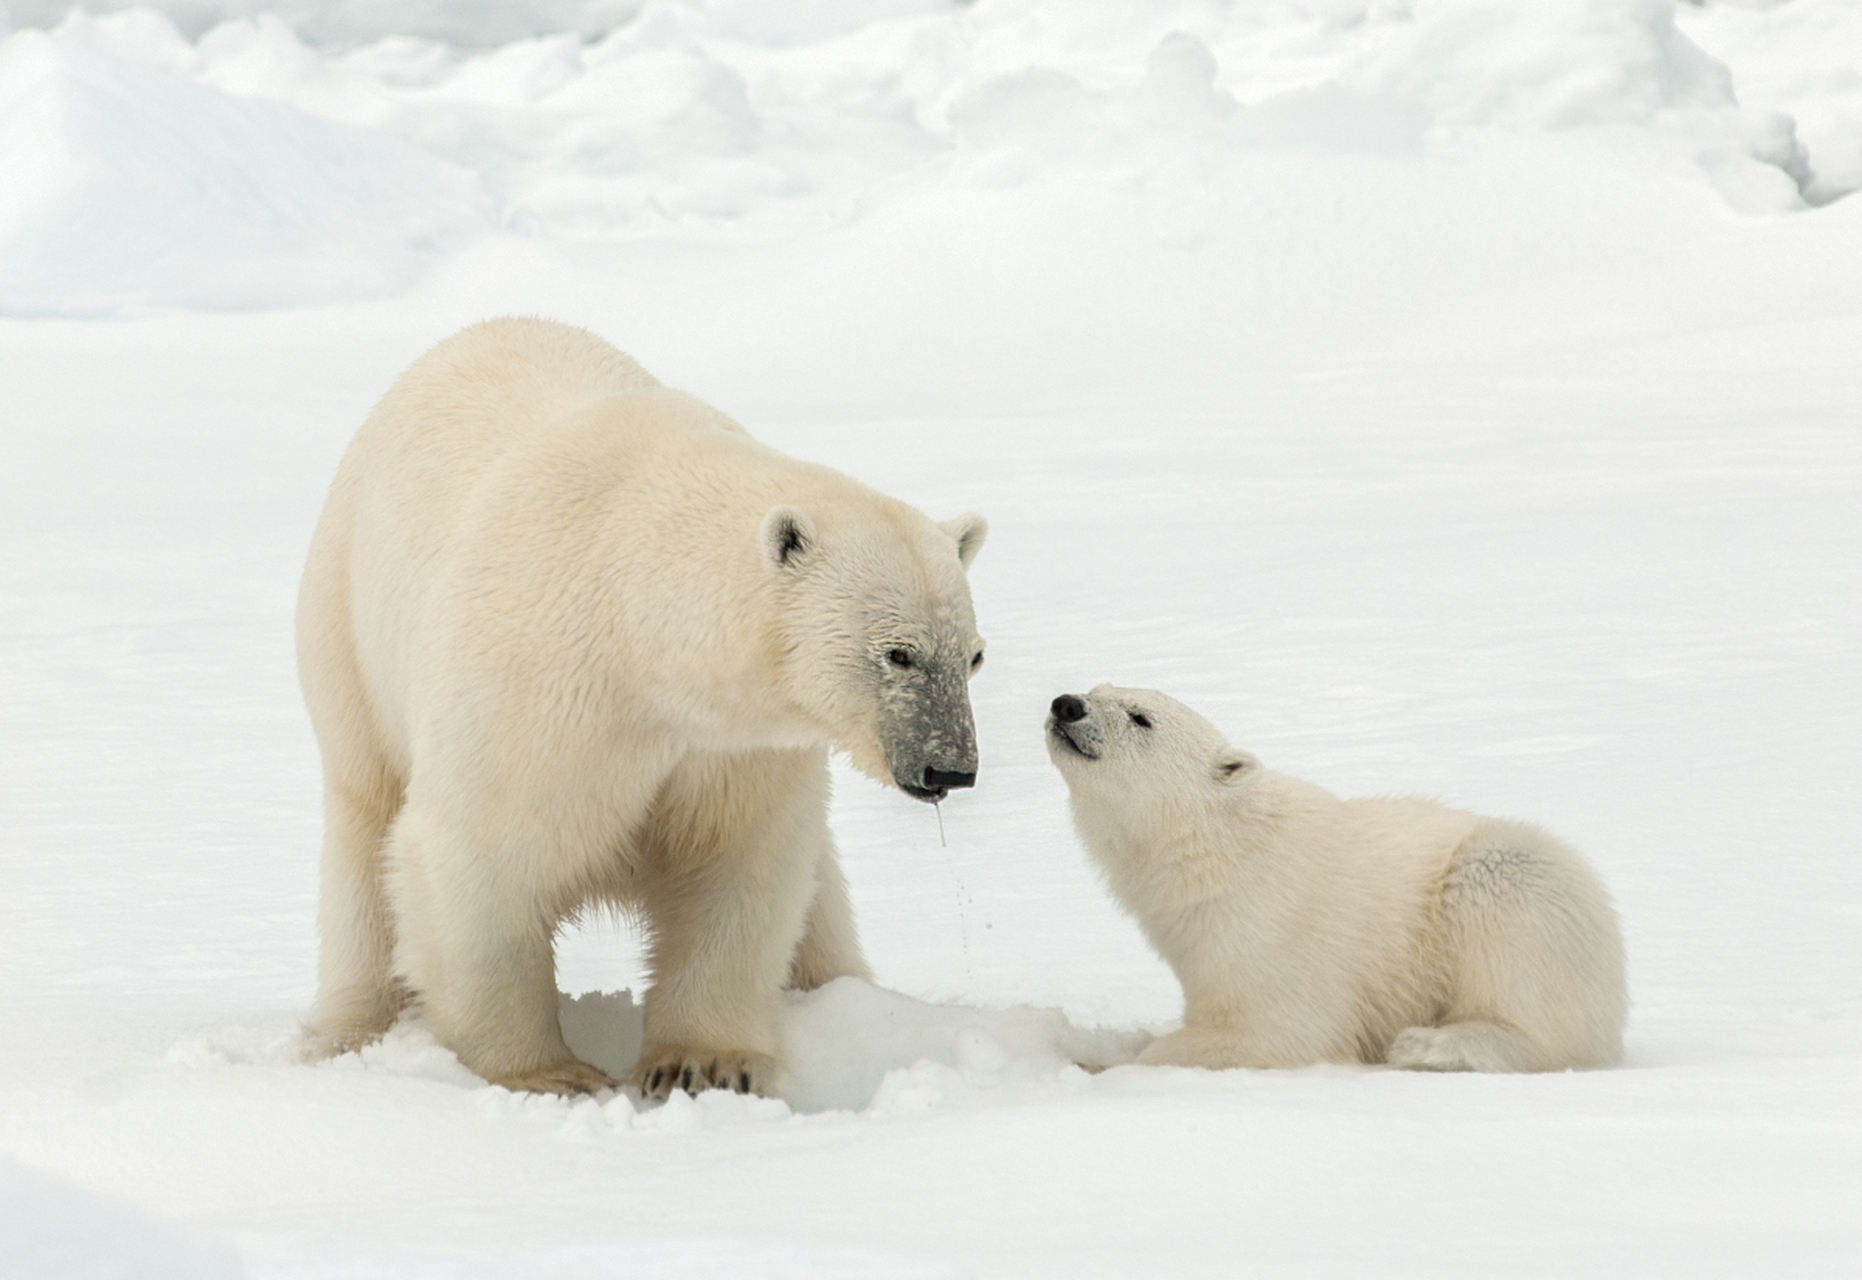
[
  {"x": 879, "y": 637},
  {"x": 1139, "y": 763}
]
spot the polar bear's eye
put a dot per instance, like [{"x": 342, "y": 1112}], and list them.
[
  {"x": 1140, "y": 719},
  {"x": 976, "y": 661},
  {"x": 900, "y": 658}
]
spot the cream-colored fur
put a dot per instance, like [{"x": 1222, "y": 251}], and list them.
[
  {"x": 1305, "y": 928},
  {"x": 570, "y": 637}
]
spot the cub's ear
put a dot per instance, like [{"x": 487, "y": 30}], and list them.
[
  {"x": 1235, "y": 766},
  {"x": 968, "y": 532},
  {"x": 787, "y": 535}
]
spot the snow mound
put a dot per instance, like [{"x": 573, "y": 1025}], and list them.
[
  {"x": 854, "y": 1047},
  {"x": 132, "y": 188},
  {"x": 1550, "y": 64},
  {"x": 1569, "y": 64},
  {"x": 466, "y": 23},
  {"x": 1799, "y": 60},
  {"x": 604, "y": 1028},
  {"x": 49, "y": 1228},
  {"x": 267, "y": 154},
  {"x": 851, "y": 1046}
]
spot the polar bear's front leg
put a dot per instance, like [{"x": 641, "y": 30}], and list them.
[
  {"x": 727, "y": 875},
  {"x": 477, "y": 954}
]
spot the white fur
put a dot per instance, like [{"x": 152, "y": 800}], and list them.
[
  {"x": 570, "y": 637},
  {"x": 1307, "y": 929}
]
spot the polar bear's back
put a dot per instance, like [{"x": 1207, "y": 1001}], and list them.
[
  {"x": 520, "y": 360},
  {"x": 408, "y": 479},
  {"x": 483, "y": 391}
]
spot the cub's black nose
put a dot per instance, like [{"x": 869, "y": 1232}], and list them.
[
  {"x": 1068, "y": 708},
  {"x": 938, "y": 780}
]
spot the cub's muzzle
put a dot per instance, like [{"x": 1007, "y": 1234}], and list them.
[{"x": 1070, "y": 729}]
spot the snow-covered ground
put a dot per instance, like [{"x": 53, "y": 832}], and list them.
[{"x": 1459, "y": 396}]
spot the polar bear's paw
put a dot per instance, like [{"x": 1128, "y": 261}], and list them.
[
  {"x": 570, "y": 1076},
  {"x": 661, "y": 1070}
]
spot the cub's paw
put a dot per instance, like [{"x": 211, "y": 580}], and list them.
[
  {"x": 1461, "y": 1046},
  {"x": 1195, "y": 1047},
  {"x": 662, "y": 1070},
  {"x": 1423, "y": 1049},
  {"x": 570, "y": 1076}
]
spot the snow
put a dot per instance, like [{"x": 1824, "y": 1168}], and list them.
[
  {"x": 1800, "y": 61},
  {"x": 1447, "y": 396},
  {"x": 150, "y": 187},
  {"x": 49, "y": 1228},
  {"x": 253, "y": 166}
]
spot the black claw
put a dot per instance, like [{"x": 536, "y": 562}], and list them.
[
  {"x": 685, "y": 1079},
  {"x": 712, "y": 1079},
  {"x": 743, "y": 1082}
]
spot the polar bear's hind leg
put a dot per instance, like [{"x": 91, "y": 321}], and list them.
[
  {"x": 358, "y": 996},
  {"x": 1536, "y": 958},
  {"x": 830, "y": 945}
]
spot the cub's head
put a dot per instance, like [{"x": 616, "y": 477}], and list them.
[
  {"x": 1136, "y": 760},
  {"x": 880, "y": 637}
]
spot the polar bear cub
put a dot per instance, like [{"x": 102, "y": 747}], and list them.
[{"x": 1305, "y": 928}]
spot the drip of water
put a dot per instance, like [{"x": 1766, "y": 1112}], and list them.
[{"x": 963, "y": 917}]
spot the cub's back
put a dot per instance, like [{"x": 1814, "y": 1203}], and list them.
[{"x": 1420, "y": 834}]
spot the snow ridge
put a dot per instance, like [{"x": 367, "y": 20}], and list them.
[{"x": 235, "y": 155}]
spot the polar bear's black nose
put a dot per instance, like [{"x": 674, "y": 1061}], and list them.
[
  {"x": 1068, "y": 708},
  {"x": 938, "y": 780}
]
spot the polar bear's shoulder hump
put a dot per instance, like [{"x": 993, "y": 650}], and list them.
[{"x": 521, "y": 348}]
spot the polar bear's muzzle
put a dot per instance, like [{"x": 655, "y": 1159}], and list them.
[
  {"x": 1070, "y": 727},
  {"x": 938, "y": 783},
  {"x": 931, "y": 751}
]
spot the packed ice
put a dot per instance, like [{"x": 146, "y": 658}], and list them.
[{"x": 231, "y": 156}]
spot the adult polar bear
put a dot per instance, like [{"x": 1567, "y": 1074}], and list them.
[
  {"x": 568, "y": 637},
  {"x": 1305, "y": 928}
]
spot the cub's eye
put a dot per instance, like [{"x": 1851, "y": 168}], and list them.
[
  {"x": 976, "y": 662},
  {"x": 900, "y": 658},
  {"x": 1140, "y": 719}
]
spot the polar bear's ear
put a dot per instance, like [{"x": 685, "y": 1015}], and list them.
[
  {"x": 787, "y": 534},
  {"x": 968, "y": 532},
  {"x": 1235, "y": 766}
]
